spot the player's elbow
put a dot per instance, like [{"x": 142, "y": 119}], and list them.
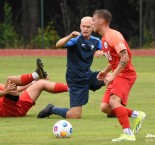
[
  {"x": 126, "y": 59},
  {"x": 57, "y": 45}
]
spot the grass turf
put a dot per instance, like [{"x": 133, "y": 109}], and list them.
[{"x": 94, "y": 128}]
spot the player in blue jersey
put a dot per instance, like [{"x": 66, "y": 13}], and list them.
[{"x": 81, "y": 48}]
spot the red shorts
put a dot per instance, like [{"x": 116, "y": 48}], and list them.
[
  {"x": 121, "y": 88},
  {"x": 9, "y": 108}
]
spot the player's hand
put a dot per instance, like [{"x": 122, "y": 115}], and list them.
[
  {"x": 101, "y": 76},
  {"x": 10, "y": 88},
  {"x": 98, "y": 53},
  {"x": 108, "y": 79},
  {"x": 74, "y": 34}
]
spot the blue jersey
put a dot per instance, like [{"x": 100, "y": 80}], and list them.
[{"x": 80, "y": 53}]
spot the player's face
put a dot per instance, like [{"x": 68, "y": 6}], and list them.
[
  {"x": 86, "y": 28},
  {"x": 97, "y": 23}
]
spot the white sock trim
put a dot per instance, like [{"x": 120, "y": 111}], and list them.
[
  {"x": 35, "y": 75},
  {"x": 135, "y": 114},
  {"x": 128, "y": 131}
]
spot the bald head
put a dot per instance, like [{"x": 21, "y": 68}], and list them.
[
  {"x": 87, "y": 18},
  {"x": 86, "y": 26}
]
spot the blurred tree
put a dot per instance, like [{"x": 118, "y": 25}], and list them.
[
  {"x": 66, "y": 15},
  {"x": 30, "y": 22},
  {"x": 149, "y": 16},
  {"x": 8, "y": 35},
  {"x": 1, "y": 11}
]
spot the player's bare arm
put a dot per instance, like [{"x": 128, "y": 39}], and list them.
[
  {"x": 124, "y": 58},
  {"x": 22, "y": 88},
  {"x": 101, "y": 76},
  {"x": 61, "y": 43}
]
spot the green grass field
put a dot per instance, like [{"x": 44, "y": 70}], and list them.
[{"x": 94, "y": 128}]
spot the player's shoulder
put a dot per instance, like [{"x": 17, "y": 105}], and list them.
[
  {"x": 94, "y": 38},
  {"x": 113, "y": 35}
]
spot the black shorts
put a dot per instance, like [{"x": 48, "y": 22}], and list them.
[{"x": 79, "y": 91}]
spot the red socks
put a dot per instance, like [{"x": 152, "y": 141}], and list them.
[
  {"x": 122, "y": 115},
  {"x": 26, "y": 79},
  {"x": 60, "y": 87},
  {"x": 129, "y": 112}
]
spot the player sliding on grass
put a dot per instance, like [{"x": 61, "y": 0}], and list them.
[
  {"x": 121, "y": 80},
  {"x": 80, "y": 79},
  {"x": 13, "y": 105}
]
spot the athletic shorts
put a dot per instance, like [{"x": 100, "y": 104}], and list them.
[
  {"x": 79, "y": 91},
  {"x": 119, "y": 87},
  {"x": 9, "y": 108}
]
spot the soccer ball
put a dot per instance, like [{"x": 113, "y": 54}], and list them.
[{"x": 62, "y": 129}]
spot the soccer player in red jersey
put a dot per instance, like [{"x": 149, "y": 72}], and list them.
[
  {"x": 13, "y": 105},
  {"x": 122, "y": 78}
]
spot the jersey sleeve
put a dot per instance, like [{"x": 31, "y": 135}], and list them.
[
  {"x": 118, "y": 42},
  {"x": 71, "y": 42}
]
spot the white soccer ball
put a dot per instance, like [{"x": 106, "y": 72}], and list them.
[{"x": 62, "y": 129}]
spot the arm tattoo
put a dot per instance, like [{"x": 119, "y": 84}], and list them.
[
  {"x": 123, "y": 52},
  {"x": 124, "y": 57},
  {"x": 122, "y": 63}
]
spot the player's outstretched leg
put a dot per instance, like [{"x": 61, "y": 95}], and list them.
[
  {"x": 72, "y": 113},
  {"x": 25, "y": 79},
  {"x": 35, "y": 90},
  {"x": 32, "y": 93},
  {"x": 51, "y": 109}
]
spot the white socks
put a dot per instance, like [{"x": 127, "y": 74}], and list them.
[
  {"x": 135, "y": 114},
  {"x": 35, "y": 75},
  {"x": 128, "y": 131}
]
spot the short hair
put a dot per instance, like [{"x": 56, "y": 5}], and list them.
[
  {"x": 86, "y": 18},
  {"x": 105, "y": 14}
]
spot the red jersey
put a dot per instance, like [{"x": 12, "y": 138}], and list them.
[
  {"x": 1, "y": 99},
  {"x": 113, "y": 42},
  {"x": 9, "y": 108}
]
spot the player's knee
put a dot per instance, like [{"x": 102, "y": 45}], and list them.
[
  {"x": 41, "y": 84},
  {"x": 76, "y": 116},
  {"x": 73, "y": 115},
  {"x": 103, "y": 108}
]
